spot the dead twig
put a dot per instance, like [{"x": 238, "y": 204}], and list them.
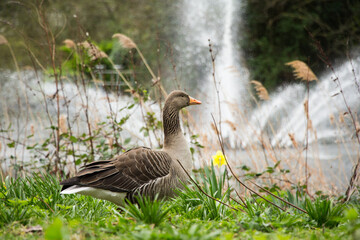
[
  {"x": 356, "y": 173},
  {"x": 197, "y": 185},
  {"x": 247, "y": 187}
]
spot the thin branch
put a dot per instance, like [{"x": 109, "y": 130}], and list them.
[
  {"x": 45, "y": 204},
  {"x": 240, "y": 198},
  {"x": 281, "y": 199},
  {"x": 205, "y": 192},
  {"x": 356, "y": 173},
  {"x": 233, "y": 173},
  {"x": 227, "y": 164},
  {"x": 237, "y": 202},
  {"x": 216, "y": 86}
]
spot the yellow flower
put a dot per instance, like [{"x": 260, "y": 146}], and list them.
[{"x": 219, "y": 159}]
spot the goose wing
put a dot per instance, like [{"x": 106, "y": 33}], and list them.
[{"x": 125, "y": 172}]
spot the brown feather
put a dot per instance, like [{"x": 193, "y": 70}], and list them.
[
  {"x": 141, "y": 171},
  {"x": 126, "y": 172}
]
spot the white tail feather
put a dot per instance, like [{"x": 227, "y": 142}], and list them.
[{"x": 115, "y": 197}]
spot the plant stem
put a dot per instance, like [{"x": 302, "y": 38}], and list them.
[
  {"x": 197, "y": 185},
  {"x": 52, "y": 50},
  {"x": 356, "y": 173},
  {"x": 243, "y": 184}
]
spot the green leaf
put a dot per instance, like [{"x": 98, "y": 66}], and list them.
[
  {"x": 78, "y": 162},
  {"x": 73, "y": 139},
  {"x": 127, "y": 141},
  {"x": 55, "y": 231},
  {"x": 351, "y": 214},
  {"x": 245, "y": 168},
  {"x": 11, "y": 145}
]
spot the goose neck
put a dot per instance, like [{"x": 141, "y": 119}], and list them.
[{"x": 171, "y": 123}]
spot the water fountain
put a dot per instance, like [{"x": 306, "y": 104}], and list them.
[
  {"x": 331, "y": 138},
  {"x": 220, "y": 21},
  {"x": 241, "y": 126},
  {"x": 217, "y": 23}
]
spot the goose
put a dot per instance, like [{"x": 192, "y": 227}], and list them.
[{"x": 141, "y": 170}]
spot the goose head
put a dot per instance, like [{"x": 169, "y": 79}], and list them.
[
  {"x": 173, "y": 104},
  {"x": 179, "y": 99}
]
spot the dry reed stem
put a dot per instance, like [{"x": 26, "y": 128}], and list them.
[
  {"x": 306, "y": 108},
  {"x": 128, "y": 43},
  {"x": 62, "y": 124},
  {"x": 260, "y": 90},
  {"x": 302, "y": 71},
  {"x": 237, "y": 202},
  {"x": 293, "y": 158},
  {"x": 293, "y": 141},
  {"x": 68, "y": 128},
  {"x": 201, "y": 190},
  {"x": 243, "y": 184},
  {"x": 356, "y": 172},
  {"x": 235, "y": 176},
  {"x": 51, "y": 44},
  {"x": 215, "y": 84}
]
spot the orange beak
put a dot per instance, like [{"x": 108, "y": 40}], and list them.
[{"x": 193, "y": 101}]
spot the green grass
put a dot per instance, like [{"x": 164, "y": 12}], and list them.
[{"x": 35, "y": 201}]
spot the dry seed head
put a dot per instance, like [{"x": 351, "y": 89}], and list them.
[
  {"x": 70, "y": 43},
  {"x": 0, "y": 146},
  {"x": 3, "y": 40},
  {"x": 302, "y": 71},
  {"x": 260, "y": 90},
  {"x": 32, "y": 129},
  {"x": 125, "y": 41},
  {"x": 93, "y": 51}
]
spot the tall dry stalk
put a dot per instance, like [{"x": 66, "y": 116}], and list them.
[
  {"x": 173, "y": 64},
  {"x": 95, "y": 53},
  {"x": 128, "y": 43},
  {"x": 66, "y": 122},
  {"x": 51, "y": 44},
  {"x": 356, "y": 172},
  {"x": 141, "y": 99},
  {"x": 302, "y": 71},
  {"x": 3, "y": 40},
  {"x": 86, "y": 109},
  {"x": 217, "y": 85},
  {"x": 356, "y": 81},
  {"x": 245, "y": 185}
]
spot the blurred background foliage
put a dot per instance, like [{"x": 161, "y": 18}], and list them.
[
  {"x": 149, "y": 23},
  {"x": 277, "y": 31},
  {"x": 273, "y": 32}
]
